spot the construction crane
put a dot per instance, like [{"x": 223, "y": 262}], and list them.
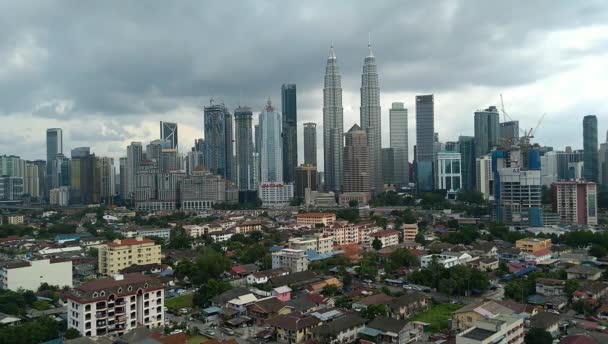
[{"x": 526, "y": 135}]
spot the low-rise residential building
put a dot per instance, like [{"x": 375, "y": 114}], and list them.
[
  {"x": 388, "y": 330},
  {"x": 485, "y": 249},
  {"x": 148, "y": 232},
  {"x": 294, "y": 260},
  {"x": 282, "y": 293},
  {"x": 468, "y": 316},
  {"x": 344, "y": 329},
  {"x": 546, "y": 321},
  {"x": 387, "y": 237},
  {"x": 502, "y": 328},
  {"x": 29, "y": 275},
  {"x": 446, "y": 258},
  {"x": 116, "y": 304},
  {"x": 248, "y": 226},
  {"x": 195, "y": 231},
  {"x": 539, "y": 256},
  {"x": 120, "y": 254},
  {"x": 264, "y": 309},
  {"x": 294, "y": 328},
  {"x": 313, "y": 219},
  {"x": 410, "y": 230},
  {"x": 550, "y": 287},
  {"x": 376, "y": 299},
  {"x": 585, "y": 272},
  {"x": 408, "y": 305},
  {"x": 345, "y": 233},
  {"x": 531, "y": 245},
  {"x": 316, "y": 242},
  {"x": 488, "y": 264},
  {"x": 222, "y": 236},
  {"x": 262, "y": 277},
  {"x": 14, "y": 219}
]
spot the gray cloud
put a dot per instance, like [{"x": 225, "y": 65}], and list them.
[{"x": 131, "y": 62}]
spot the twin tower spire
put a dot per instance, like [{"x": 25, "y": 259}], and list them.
[{"x": 333, "y": 121}]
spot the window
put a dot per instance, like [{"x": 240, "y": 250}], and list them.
[
  {"x": 120, "y": 290},
  {"x": 102, "y": 293}
]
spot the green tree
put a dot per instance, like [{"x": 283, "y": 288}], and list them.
[
  {"x": 373, "y": 311},
  {"x": 253, "y": 254},
  {"x": 179, "y": 239},
  {"x": 330, "y": 290},
  {"x": 538, "y": 336},
  {"x": 571, "y": 287},
  {"x": 598, "y": 251},
  {"x": 349, "y": 214},
  {"x": 377, "y": 244},
  {"x": 71, "y": 333},
  {"x": 344, "y": 302},
  {"x": 420, "y": 238},
  {"x": 209, "y": 290},
  {"x": 353, "y": 203},
  {"x": 209, "y": 265}
]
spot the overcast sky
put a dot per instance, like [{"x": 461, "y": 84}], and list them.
[{"x": 107, "y": 72}]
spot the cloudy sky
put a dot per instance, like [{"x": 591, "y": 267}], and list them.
[{"x": 107, "y": 72}]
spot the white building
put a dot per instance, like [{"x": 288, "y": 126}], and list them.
[
  {"x": 275, "y": 194},
  {"x": 446, "y": 258},
  {"x": 114, "y": 305},
  {"x": 548, "y": 168},
  {"x": 485, "y": 178},
  {"x": 449, "y": 176},
  {"x": 29, "y": 275},
  {"x": 387, "y": 237},
  {"x": 317, "y": 242},
  {"x": 60, "y": 196},
  {"x": 295, "y": 260},
  {"x": 500, "y": 329},
  {"x": 164, "y": 233}
]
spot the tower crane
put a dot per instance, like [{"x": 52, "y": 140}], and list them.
[{"x": 526, "y": 135}]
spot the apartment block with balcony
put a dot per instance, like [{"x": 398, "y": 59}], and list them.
[
  {"x": 387, "y": 237},
  {"x": 316, "y": 219},
  {"x": 316, "y": 242},
  {"x": 120, "y": 254},
  {"x": 410, "y": 231},
  {"x": 114, "y": 305},
  {"x": 294, "y": 260}
]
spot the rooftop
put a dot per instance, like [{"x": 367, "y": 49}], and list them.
[{"x": 129, "y": 242}]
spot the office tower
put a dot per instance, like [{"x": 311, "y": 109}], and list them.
[
  {"x": 61, "y": 171},
  {"x": 509, "y": 133},
  {"x": 54, "y": 146},
  {"x": 122, "y": 170},
  {"x": 256, "y": 155},
  {"x": 290, "y": 131},
  {"x": 11, "y": 188},
  {"x": 215, "y": 139},
  {"x": 548, "y": 168},
  {"x": 389, "y": 168},
  {"x": 83, "y": 176},
  {"x": 565, "y": 159},
  {"x": 244, "y": 147},
  {"x": 333, "y": 124},
  {"x": 399, "y": 142},
  {"x": 229, "y": 151},
  {"x": 356, "y": 161},
  {"x": 590, "y": 148},
  {"x": 466, "y": 147},
  {"x": 134, "y": 159},
  {"x": 425, "y": 129},
  {"x": 484, "y": 178},
  {"x": 310, "y": 144},
  {"x": 196, "y": 156},
  {"x": 449, "y": 176},
  {"x": 31, "y": 181},
  {"x": 169, "y": 160},
  {"x": 603, "y": 164},
  {"x": 271, "y": 154},
  {"x": 370, "y": 118},
  {"x": 153, "y": 151},
  {"x": 452, "y": 146},
  {"x": 575, "y": 202},
  {"x": 487, "y": 129},
  {"x": 105, "y": 179},
  {"x": 201, "y": 190},
  {"x": 42, "y": 177},
  {"x": 306, "y": 178},
  {"x": 168, "y": 132}
]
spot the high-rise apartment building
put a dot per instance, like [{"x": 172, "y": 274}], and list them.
[
  {"x": 11, "y": 188},
  {"x": 333, "y": 125},
  {"x": 466, "y": 147},
  {"x": 371, "y": 119},
  {"x": 154, "y": 150},
  {"x": 310, "y": 144},
  {"x": 399, "y": 142},
  {"x": 134, "y": 158},
  {"x": 106, "y": 175},
  {"x": 425, "y": 130},
  {"x": 487, "y": 130},
  {"x": 168, "y": 133},
  {"x": 111, "y": 306},
  {"x": 122, "y": 170},
  {"x": 243, "y": 119},
  {"x": 356, "y": 161},
  {"x": 290, "y": 131},
  {"x": 216, "y": 142},
  {"x": 54, "y": 146},
  {"x": 229, "y": 151},
  {"x": 575, "y": 202},
  {"x": 590, "y": 148}
]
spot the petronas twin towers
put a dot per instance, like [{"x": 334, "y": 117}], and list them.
[{"x": 333, "y": 122}]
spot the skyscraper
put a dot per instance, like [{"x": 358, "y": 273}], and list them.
[
  {"x": 122, "y": 170},
  {"x": 370, "y": 118},
  {"x": 215, "y": 139},
  {"x": 229, "y": 159},
  {"x": 134, "y": 159},
  {"x": 399, "y": 142},
  {"x": 106, "y": 174},
  {"x": 356, "y": 161},
  {"x": 425, "y": 130},
  {"x": 333, "y": 124},
  {"x": 509, "y": 133},
  {"x": 603, "y": 164},
  {"x": 466, "y": 145},
  {"x": 54, "y": 146},
  {"x": 244, "y": 147},
  {"x": 590, "y": 148},
  {"x": 168, "y": 132},
  {"x": 290, "y": 131},
  {"x": 487, "y": 129},
  {"x": 83, "y": 176},
  {"x": 310, "y": 144},
  {"x": 271, "y": 154},
  {"x": 153, "y": 151}
]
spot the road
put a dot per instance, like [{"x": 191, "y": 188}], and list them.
[{"x": 243, "y": 335}]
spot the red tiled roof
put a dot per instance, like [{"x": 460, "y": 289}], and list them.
[
  {"x": 541, "y": 253},
  {"x": 129, "y": 242},
  {"x": 385, "y": 233}
]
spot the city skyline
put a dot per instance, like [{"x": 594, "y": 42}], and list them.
[{"x": 531, "y": 85}]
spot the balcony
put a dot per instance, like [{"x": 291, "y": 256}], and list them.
[
  {"x": 101, "y": 315},
  {"x": 120, "y": 310}
]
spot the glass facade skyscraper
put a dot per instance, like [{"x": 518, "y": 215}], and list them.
[
  {"x": 168, "y": 133},
  {"x": 244, "y": 147},
  {"x": 290, "y": 131},
  {"x": 399, "y": 142},
  {"x": 371, "y": 119},
  {"x": 271, "y": 145},
  {"x": 425, "y": 131},
  {"x": 590, "y": 148},
  {"x": 333, "y": 125},
  {"x": 54, "y": 146},
  {"x": 310, "y": 144},
  {"x": 487, "y": 130},
  {"x": 466, "y": 145}
]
